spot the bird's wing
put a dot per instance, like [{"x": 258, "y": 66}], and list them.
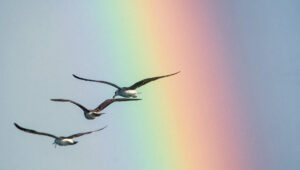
[
  {"x": 33, "y": 131},
  {"x": 66, "y": 100},
  {"x": 145, "y": 81},
  {"x": 99, "y": 81},
  {"x": 85, "y": 133},
  {"x": 109, "y": 101}
]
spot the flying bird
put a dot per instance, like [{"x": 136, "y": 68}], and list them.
[
  {"x": 92, "y": 114},
  {"x": 61, "y": 141},
  {"x": 128, "y": 91}
]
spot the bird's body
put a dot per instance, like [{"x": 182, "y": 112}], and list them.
[
  {"x": 93, "y": 114},
  {"x": 127, "y": 92},
  {"x": 64, "y": 141},
  {"x": 61, "y": 141}
]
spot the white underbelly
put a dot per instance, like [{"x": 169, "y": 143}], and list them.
[
  {"x": 64, "y": 142},
  {"x": 130, "y": 92}
]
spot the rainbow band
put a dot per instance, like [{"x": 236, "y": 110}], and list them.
[{"x": 191, "y": 120}]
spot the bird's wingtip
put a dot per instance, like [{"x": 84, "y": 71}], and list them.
[
  {"x": 174, "y": 73},
  {"x": 16, "y": 125},
  {"x": 59, "y": 100},
  {"x": 102, "y": 128}
]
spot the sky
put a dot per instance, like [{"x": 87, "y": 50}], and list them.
[{"x": 233, "y": 106}]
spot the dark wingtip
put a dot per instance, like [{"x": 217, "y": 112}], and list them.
[
  {"x": 177, "y": 72},
  {"x": 59, "y": 100},
  {"x": 173, "y": 74},
  {"x": 17, "y": 126},
  {"x": 102, "y": 128},
  {"x": 75, "y": 76}
]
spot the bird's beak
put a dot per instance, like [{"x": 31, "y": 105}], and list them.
[{"x": 103, "y": 113}]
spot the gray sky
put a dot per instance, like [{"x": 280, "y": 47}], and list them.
[{"x": 35, "y": 66}]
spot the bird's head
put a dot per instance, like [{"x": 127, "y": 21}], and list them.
[{"x": 116, "y": 93}]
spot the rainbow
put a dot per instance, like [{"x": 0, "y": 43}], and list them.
[{"x": 195, "y": 122}]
